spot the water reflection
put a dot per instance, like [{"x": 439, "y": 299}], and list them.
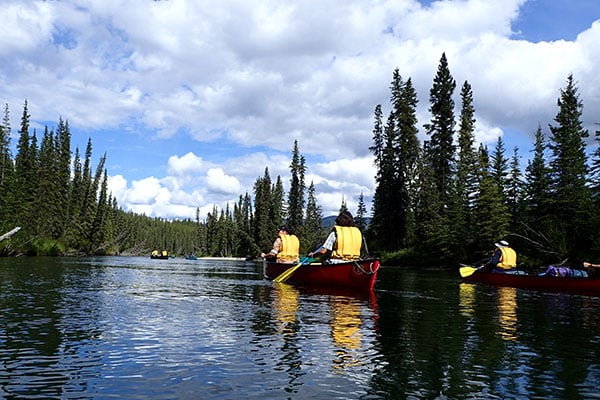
[
  {"x": 507, "y": 313},
  {"x": 351, "y": 323},
  {"x": 133, "y": 328},
  {"x": 345, "y": 325},
  {"x": 467, "y": 299},
  {"x": 285, "y": 305}
]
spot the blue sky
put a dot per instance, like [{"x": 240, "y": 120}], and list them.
[{"x": 192, "y": 100}]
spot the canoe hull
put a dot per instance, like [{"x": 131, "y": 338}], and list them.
[
  {"x": 360, "y": 274},
  {"x": 586, "y": 286}
]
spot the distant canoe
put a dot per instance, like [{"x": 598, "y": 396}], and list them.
[
  {"x": 360, "y": 274},
  {"x": 156, "y": 255},
  {"x": 191, "y": 256},
  {"x": 585, "y": 286}
]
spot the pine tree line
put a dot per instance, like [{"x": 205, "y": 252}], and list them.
[
  {"x": 63, "y": 205},
  {"x": 444, "y": 200}
]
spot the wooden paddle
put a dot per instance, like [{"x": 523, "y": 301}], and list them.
[{"x": 468, "y": 270}]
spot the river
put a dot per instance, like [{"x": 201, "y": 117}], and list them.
[{"x": 131, "y": 327}]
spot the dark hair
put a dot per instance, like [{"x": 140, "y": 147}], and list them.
[
  {"x": 283, "y": 228},
  {"x": 344, "y": 219}
]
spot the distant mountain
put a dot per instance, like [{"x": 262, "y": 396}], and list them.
[{"x": 328, "y": 222}]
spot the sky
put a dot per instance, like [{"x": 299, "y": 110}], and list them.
[{"x": 192, "y": 100}]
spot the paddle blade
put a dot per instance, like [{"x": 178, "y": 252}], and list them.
[{"x": 467, "y": 271}]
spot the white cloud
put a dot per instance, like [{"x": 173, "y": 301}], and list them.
[
  {"x": 188, "y": 164},
  {"x": 217, "y": 181},
  {"x": 144, "y": 191}
]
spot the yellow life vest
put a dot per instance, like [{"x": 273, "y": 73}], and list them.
[
  {"x": 508, "y": 259},
  {"x": 348, "y": 243},
  {"x": 290, "y": 248}
]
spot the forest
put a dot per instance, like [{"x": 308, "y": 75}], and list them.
[{"x": 440, "y": 201}]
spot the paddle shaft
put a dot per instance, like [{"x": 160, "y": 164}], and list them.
[{"x": 288, "y": 272}]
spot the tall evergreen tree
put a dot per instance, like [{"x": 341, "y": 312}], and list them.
[
  {"x": 24, "y": 189},
  {"x": 464, "y": 190},
  {"x": 441, "y": 129},
  {"x": 63, "y": 175},
  {"x": 295, "y": 217},
  {"x": 515, "y": 189},
  {"x": 264, "y": 226},
  {"x": 313, "y": 226},
  {"x": 46, "y": 204},
  {"x": 278, "y": 206},
  {"x": 491, "y": 214},
  {"x": 595, "y": 171},
  {"x": 360, "y": 219},
  {"x": 385, "y": 200},
  {"x": 571, "y": 200},
  {"x": 499, "y": 168},
  {"x": 537, "y": 191},
  {"x": 378, "y": 140},
  {"x": 409, "y": 150},
  {"x": 7, "y": 202}
]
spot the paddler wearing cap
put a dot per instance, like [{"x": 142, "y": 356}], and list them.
[
  {"x": 286, "y": 247},
  {"x": 503, "y": 260}
]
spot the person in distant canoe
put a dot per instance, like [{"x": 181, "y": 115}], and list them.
[
  {"x": 286, "y": 248},
  {"x": 503, "y": 260},
  {"x": 344, "y": 242}
]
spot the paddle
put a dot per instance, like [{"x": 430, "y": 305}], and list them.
[
  {"x": 468, "y": 270},
  {"x": 288, "y": 272}
]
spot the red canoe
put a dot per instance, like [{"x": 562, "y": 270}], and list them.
[
  {"x": 360, "y": 274},
  {"x": 586, "y": 286}
]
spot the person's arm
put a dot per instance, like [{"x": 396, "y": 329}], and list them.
[
  {"x": 590, "y": 265},
  {"x": 328, "y": 245},
  {"x": 276, "y": 248},
  {"x": 494, "y": 260}
]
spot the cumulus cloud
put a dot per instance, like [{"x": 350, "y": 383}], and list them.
[
  {"x": 223, "y": 89},
  {"x": 217, "y": 181}
]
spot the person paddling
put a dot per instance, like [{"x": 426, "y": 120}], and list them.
[
  {"x": 344, "y": 241},
  {"x": 286, "y": 247},
  {"x": 504, "y": 259}
]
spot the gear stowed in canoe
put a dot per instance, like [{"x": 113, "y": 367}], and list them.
[
  {"x": 576, "y": 282},
  {"x": 351, "y": 274}
]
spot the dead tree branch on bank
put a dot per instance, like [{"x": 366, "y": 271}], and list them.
[{"x": 8, "y": 234}]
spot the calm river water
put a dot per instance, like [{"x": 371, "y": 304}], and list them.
[{"x": 127, "y": 327}]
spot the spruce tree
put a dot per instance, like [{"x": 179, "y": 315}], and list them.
[
  {"x": 441, "y": 130},
  {"x": 499, "y": 168},
  {"x": 360, "y": 219},
  {"x": 405, "y": 112},
  {"x": 595, "y": 171},
  {"x": 378, "y": 140},
  {"x": 464, "y": 188},
  {"x": 25, "y": 182},
  {"x": 313, "y": 226},
  {"x": 264, "y": 226},
  {"x": 295, "y": 216},
  {"x": 515, "y": 188},
  {"x": 491, "y": 214},
  {"x": 63, "y": 175},
  {"x": 7, "y": 203},
  {"x": 537, "y": 192},
  {"x": 571, "y": 202}
]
